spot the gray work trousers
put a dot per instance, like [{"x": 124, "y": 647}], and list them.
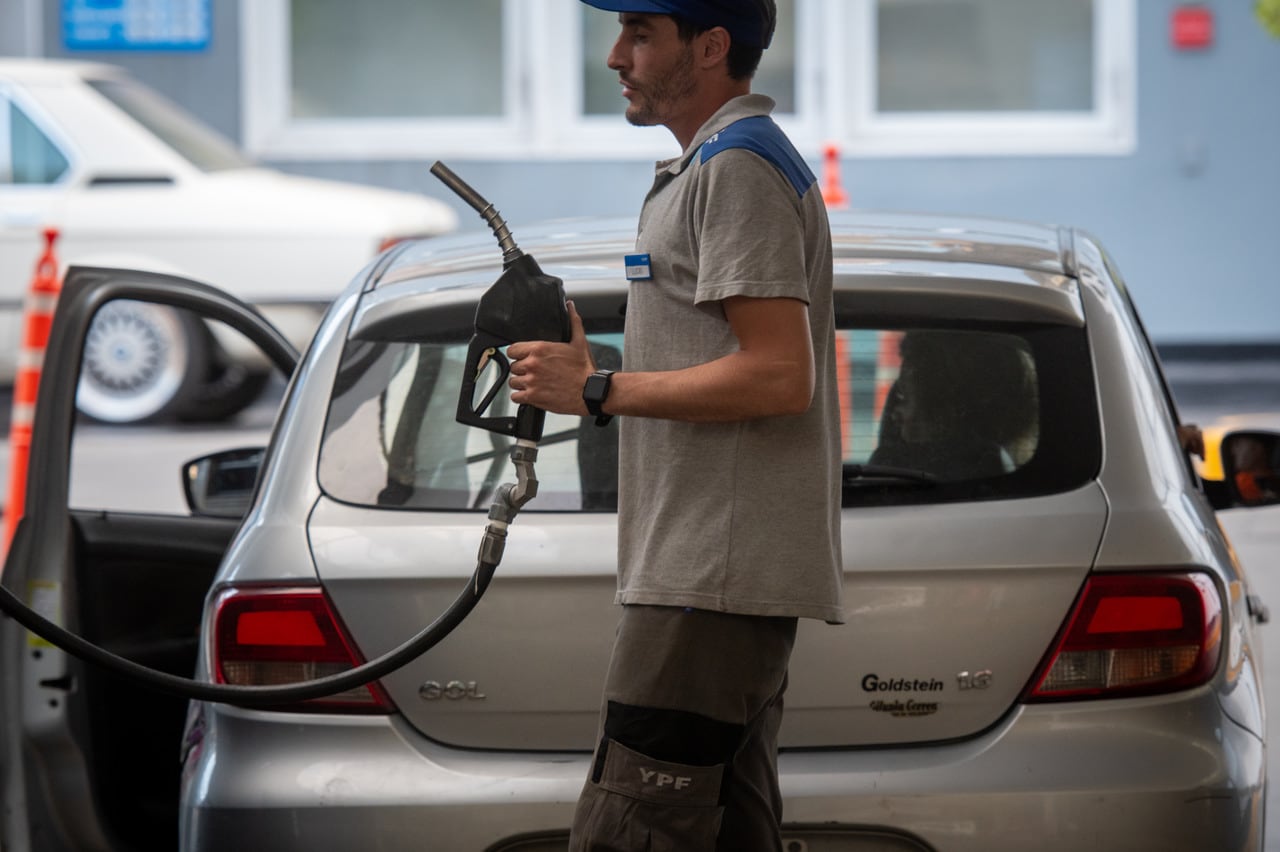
[{"x": 687, "y": 754}]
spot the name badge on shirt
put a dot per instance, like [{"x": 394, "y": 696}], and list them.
[{"x": 637, "y": 267}]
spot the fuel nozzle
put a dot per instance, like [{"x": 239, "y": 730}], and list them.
[{"x": 523, "y": 304}]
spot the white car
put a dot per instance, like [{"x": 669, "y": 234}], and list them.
[{"x": 129, "y": 179}]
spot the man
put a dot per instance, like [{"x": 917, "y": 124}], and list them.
[{"x": 729, "y": 459}]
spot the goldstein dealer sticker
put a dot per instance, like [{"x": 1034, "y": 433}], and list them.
[{"x": 906, "y": 708}]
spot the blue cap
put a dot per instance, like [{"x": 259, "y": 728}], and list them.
[{"x": 748, "y": 21}]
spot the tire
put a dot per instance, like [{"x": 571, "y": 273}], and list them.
[
  {"x": 141, "y": 363},
  {"x": 228, "y": 388}
]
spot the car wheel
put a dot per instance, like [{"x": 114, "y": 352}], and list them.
[
  {"x": 141, "y": 363},
  {"x": 229, "y": 388}
]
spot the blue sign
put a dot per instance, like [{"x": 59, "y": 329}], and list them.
[{"x": 136, "y": 24}]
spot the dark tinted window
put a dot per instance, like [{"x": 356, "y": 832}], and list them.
[
  {"x": 929, "y": 414},
  {"x": 392, "y": 439},
  {"x": 975, "y": 412}
]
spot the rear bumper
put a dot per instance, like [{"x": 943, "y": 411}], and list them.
[{"x": 1119, "y": 775}]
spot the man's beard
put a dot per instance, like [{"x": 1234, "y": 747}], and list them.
[{"x": 659, "y": 95}]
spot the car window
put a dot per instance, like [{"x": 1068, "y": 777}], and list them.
[
  {"x": 391, "y": 438},
  {"x": 34, "y": 159},
  {"x": 956, "y": 404},
  {"x": 196, "y": 143},
  {"x": 929, "y": 414},
  {"x": 932, "y": 414}
]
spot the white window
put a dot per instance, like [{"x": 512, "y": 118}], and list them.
[
  {"x": 985, "y": 77},
  {"x": 518, "y": 79},
  {"x": 391, "y": 79}
]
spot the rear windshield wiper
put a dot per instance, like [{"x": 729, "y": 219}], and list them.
[{"x": 879, "y": 474}]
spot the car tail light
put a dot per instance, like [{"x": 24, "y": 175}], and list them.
[
  {"x": 268, "y": 637},
  {"x": 1134, "y": 634}
]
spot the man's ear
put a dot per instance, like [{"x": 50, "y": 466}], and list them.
[{"x": 715, "y": 46}]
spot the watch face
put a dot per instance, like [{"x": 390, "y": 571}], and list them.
[{"x": 596, "y": 388}]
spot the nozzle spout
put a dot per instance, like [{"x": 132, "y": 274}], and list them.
[{"x": 490, "y": 214}]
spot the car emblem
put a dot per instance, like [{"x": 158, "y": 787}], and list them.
[
  {"x": 974, "y": 680},
  {"x": 874, "y": 683},
  {"x": 454, "y": 690}
]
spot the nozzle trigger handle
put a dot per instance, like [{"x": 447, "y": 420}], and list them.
[{"x": 483, "y": 349}]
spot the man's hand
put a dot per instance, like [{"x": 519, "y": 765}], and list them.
[{"x": 550, "y": 375}]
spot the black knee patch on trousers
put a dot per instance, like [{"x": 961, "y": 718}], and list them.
[{"x": 677, "y": 736}]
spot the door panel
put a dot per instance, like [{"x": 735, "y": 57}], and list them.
[{"x": 142, "y": 583}]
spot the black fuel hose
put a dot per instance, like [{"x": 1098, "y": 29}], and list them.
[{"x": 257, "y": 696}]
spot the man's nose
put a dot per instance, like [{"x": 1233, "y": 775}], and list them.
[{"x": 614, "y": 60}]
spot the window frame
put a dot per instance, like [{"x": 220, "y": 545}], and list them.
[{"x": 542, "y": 93}]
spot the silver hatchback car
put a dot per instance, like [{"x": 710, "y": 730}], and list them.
[{"x": 1049, "y": 643}]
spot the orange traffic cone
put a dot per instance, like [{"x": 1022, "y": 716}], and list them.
[
  {"x": 844, "y": 385},
  {"x": 832, "y": 189},
  {"x": 42, "y": 298},
  {"x": 888, "y": 364}
]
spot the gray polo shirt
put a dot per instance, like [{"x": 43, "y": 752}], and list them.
[{"x": 737, "y": 517}]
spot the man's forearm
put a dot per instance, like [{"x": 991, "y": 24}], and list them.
[{"x": 739, "y": 386}]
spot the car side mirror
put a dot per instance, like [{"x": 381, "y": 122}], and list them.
[
  {"x": 222, "y": 485},
  {"x": 1251, "y": 467}
]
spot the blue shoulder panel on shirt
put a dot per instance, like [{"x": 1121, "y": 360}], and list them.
[{"x": 760, "y": 135}]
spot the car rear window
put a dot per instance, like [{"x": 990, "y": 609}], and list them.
[
  {"x": 928, "y": 414},
  {"x": 932, "y": 414}
]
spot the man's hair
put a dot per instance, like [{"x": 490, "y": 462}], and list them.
[{"x": 742, "y": 60}]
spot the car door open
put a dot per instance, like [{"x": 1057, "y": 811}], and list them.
[{"x": 85, "y": 768}]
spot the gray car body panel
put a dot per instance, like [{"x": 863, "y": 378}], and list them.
[
  {"x": 970, "y": 595},
  {"x": 1159, "y": 519}
]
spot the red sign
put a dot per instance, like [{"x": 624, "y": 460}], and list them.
[{"x": 1192, "y": 27}]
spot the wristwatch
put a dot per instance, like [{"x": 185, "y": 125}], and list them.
[{"x": 595, "y": 392}]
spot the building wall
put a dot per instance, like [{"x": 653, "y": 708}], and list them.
[
  {"x": 20, "y": 27},
  {"x": 1191, "y": 217},
  {"x": 207, "y": 82}
]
